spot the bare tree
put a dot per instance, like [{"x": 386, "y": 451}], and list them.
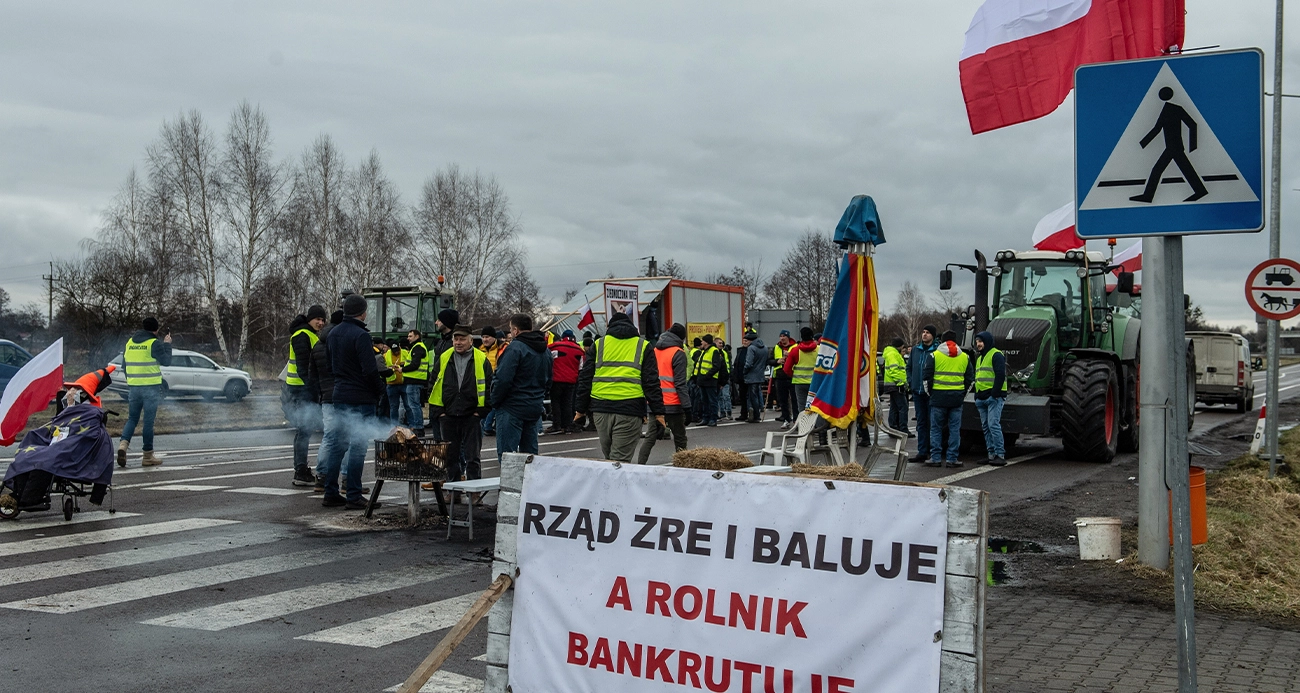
[
  {"x": 184, "y": 163},
  {"x": 312, "y": 241},
  {"x": 466, "y": 234},
  {"x": 949, "y": 302},
  {"x": 912, "y": 310},
  {"x": 374, "y": 227},
  {"x": 253, "y": 200},
  {"x": 519, "y": 293},
  {"x": 673, "y": 268},
  {"x": 748, "y": 278},
  {"x": 806, "y": 278},
  {"x": 570, "y": 292}
]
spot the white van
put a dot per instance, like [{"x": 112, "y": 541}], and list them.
[{"x": 1223, "y": 372}]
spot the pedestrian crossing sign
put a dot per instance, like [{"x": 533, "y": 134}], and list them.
[{"x": 1170, "y": 146}]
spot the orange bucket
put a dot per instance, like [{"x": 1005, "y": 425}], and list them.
[{"x": 1196, "y": 487}]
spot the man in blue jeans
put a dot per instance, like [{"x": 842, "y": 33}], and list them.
[
  {"x": 990, "y": 395},
  {"x": 523, "y": 376},
  {"x": 357, "y": 388},
  {"x": 948, "y": 375},
  {"x": 142, "y": 361},
  {"x": 916, "y": 364}
]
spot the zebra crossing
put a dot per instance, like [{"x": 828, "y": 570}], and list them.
[{"x": 250, "y": 574}]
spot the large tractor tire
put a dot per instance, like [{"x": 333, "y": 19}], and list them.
[
  {"x": 1129, "y": 431},
  {"x": 1091, "y": 411}
]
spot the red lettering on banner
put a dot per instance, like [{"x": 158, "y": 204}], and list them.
[
  {"x": 629, "y": 659},
  {"x": 769, "y": 680},
  {"x": 697, "y": 602},
  {"x": 742, "y": 610},
  {"x": 767, "y": 615},
  {"x": 577, "y": 648},
  {"x": 747, "y": 671},
  {"x": 787, "y": 616},
  {"x": 658, "y": 593},
  {"x": 688, "y": 666},
  {"x": 709, "y": 616},
  {"x": 834, "y": 684},
  {"x": 657, "y": 661},
  {"x": 619, "y": 596},
  {"x": 724, "y": 677},
  {"x": 600, "y": 656}
]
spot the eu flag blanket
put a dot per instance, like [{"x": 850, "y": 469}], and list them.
[{"x": 74, "y": 445}]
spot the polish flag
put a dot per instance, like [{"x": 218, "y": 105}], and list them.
[
  {"x": 30, "y": 391},
  {"x": 585, "y": 316},
  {"x": 1130, "y": 260},
  {"x": 1019, "y": 57},
  {"x": 1056, "y": 231}
]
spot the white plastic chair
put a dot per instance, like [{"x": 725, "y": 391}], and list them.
[
  {"x": 895, "y": 447},
  {"x": 793, "y": 443}
]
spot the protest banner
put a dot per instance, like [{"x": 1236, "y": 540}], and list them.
[
  {"x": 699, "y": 329},
  {"x": 622, "y": 298}
]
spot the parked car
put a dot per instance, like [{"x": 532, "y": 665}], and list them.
[
  {"x": 1223, "y": 369},
  {"x": 12, "y": 357},
  {"x": 192, "y": 373}
]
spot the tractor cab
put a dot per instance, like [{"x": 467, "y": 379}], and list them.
[{"x": 392, "y": 311}]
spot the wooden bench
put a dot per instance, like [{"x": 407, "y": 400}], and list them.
[{"x": 466, "y": 488}]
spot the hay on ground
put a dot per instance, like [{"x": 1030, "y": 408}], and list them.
[
  {"x": 711, "y": 458},
  {"x": 847, "y": 471}
]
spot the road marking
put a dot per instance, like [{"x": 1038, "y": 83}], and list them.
[
  {"x": 94, "y": 516},
  {"x": 206, "y": 478},
  {"x": 144, "y": 588},
  {"x": 104, "y": 535},
  {"x": 245, "y": 611},
  {"x": 1280, "y": 389},
  {"x": 135, "y": 556},
  {"x": 267, "y": 491},
  {"x": 985, "y": 469},
  {"x": 397, "y": 626},
  {"x": 152, "y": 470},
  {"x": 447, "y": 682},
  {"x": 185, "y": 487},
  {"x": 567, "y": 452}
]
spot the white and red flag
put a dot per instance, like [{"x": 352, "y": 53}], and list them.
[
  {"x": 1130, "y": 259},
  {"x": 1056, "y": 231},
  {"x": 585, "y": 316},
  {"x": 30, "y": 391},
  {"x": 1019, "y": 57}
]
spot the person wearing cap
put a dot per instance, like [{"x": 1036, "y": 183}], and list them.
[
  {"x": 755, "y": 374},
  {"x": 948, "y": 375},
  {"x": 301, "y": 409},
  {"x": 493, "y": 345},
  {"x": 566, "y": 361},
  {"x": 895, "y": 386},
  {"x": 674, "y": 373},
  {"x": 395, "y": 359},
  {"x": 357, "y": 388},
  {"x": 619, "y": 380},
  {"x": 782, "y": 387},
  {"x": 320, "y": 383},
  {"x": 916, "y": 364},
  {"x": 799, "y": 362},
  {"x": 459, "y": 400},
  {"x": 142, "y": 361},
  {"x": 738, "y": 378},
  {"x": 519, "y": 391}
]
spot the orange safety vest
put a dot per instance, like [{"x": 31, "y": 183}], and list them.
[{"x": 664, "y": 358}]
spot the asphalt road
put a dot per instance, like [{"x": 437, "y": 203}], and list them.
[{"x": 216, "y": 574}]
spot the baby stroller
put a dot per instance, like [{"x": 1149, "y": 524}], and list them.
[{"x": 71, "y": 456}]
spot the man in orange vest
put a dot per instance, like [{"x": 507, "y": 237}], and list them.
[{"x": 673, "y": 381}]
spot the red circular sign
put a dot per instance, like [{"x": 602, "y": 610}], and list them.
[{"x": 1273, "y": 289}]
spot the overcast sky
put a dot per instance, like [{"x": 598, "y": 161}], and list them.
[{"x": 712, "y": 133}]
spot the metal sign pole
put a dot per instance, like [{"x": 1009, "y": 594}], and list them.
[
  {"x": 1154, "y": 399},
  {"x": 1275, "y": 240},
  {"x": 1177, "y": 464}
]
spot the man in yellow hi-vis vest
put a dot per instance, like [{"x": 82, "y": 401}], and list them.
[
  {"x": 459, "y": 401},
  {"x": 142, "y": 361},
  {"x": 990, "y": 395},
  {"x": 301, "y": 408},
  {"x": 895, "y": 371},
  {"x": 948, "y": 375},
  {"x": 416, "y": 374},
  {"x": 618, "y": 381}
]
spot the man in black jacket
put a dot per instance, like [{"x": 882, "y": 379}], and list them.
[
  {"x": 459, "y": 401},
  {"x": 357, "y": 386},
  {"x": 301, "y": 409},
  {"x": 617, "y": 401},
  {"x": 320, "y": 383},
  {"x": 522, "y": 379}
]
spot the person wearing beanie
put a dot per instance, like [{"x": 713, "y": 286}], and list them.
[
  {"x": 320, "y": 384},
  {"x": 916, "y": 363},
  {"x": 990, "y": 395},
  {"x": 738, "y": 376},
  {"x": 949, "y": 373},
  {"x": 674, "y": 373},
  {"x": 754, "y": 374},
  {"x": 519, "y": 390},
  {"x": 709, "y": 368},
  {"x": 143, "y": 359},
  {"x": 618, "y": 382},
  {"x": 357, "y": 389},
  {"x": 448, "y": 320},
  {"x": 492, "y": 347},
  {"x": 799, "y": 362},
  {"x": 301, "y": 408},
  {"x": 895, "y": 384},
  {"x": 566, "y": 361},
  {"x": 782, "y": 387}
]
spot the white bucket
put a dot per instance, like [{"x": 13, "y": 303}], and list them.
[{"x": 1098, "y": 538}]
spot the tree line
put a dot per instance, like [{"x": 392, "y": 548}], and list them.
[{"x": 225, "y": 242}]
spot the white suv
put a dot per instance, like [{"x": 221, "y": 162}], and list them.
[{"x": 192, "y": 373}]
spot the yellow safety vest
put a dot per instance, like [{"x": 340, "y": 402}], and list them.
[
  {"x": 480, "y": 375},
  {"x": 395, "y": 363},
  {"x": 704, "y": 364},
  {"x": 984, "y": 376},
  {"x": 294, "y": 378},
  {"x": 140, "y": 365},
  {"x": 618, "y": 368},
  {"x": 803, "y": 368},
  {"x": 421, "y": 375},
  {"x": 895, "y": 367},
  {"x": 950, "y": 371},
  {"x": 726, "y": 358}
]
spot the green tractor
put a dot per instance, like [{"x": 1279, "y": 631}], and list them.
[
  {"x": 395, "y": 310},
  {"x": 1071, "y": 349}
]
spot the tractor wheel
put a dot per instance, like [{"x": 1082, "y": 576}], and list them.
[
  {"x": 1090, "y": 412},
  {"x": 1129, "y": 432}
]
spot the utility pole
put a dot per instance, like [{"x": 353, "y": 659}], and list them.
[
  {"x": 50, "y": 278},
  {"x": 1275, "y": 242}
]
